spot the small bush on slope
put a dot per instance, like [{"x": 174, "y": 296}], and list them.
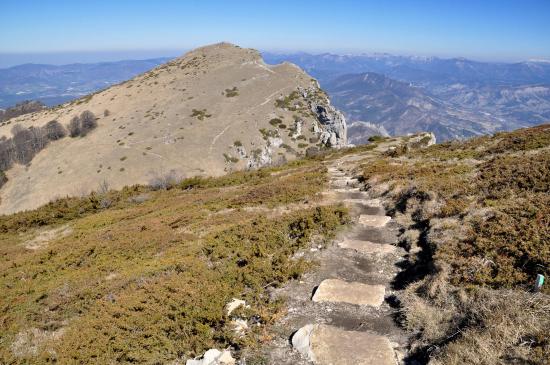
[{"x": 80, "y": 126}]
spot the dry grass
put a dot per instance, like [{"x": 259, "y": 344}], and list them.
[
  {"x": 146, "y": 280},
  {"x": 479, "y": 210}
]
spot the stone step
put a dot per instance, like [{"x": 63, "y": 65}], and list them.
[
  {"x": 343, "y": 184},
  {"x": 339, "y": 291},
  {"x": 367, "y": 247},
  {"x": 369, "y": 202},
  {"x": 376, "y": 221},
  {"x": 349, "y": 189},
  {"x": 346, "y": 179},
  {"x": 329, "y": 345}
]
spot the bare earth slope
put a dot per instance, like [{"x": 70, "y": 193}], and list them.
[{"x": 205, "y": 113}]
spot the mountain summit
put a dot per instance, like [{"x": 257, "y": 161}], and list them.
[{"x": 214, "y": 110}]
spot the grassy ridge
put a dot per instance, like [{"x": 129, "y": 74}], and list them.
[
  {"x": 143, "y": 276},
  {"x": 477, "y": 219}
]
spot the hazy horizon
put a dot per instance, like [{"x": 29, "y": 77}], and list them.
[
  {"x": 8, "y": 60},
  {"x": 61, "y": 31}
]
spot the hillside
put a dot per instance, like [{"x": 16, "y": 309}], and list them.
[
  {"x": 475, "y": 223},
  {"x": 402, "y": 108},
  {"x": 215, "y": 110},
  {"x": 452, "y": 236}
]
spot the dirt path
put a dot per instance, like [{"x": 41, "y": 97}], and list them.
[{"x": 341, "y": 313}]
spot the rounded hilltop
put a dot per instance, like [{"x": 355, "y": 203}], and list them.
[{"x": 214, "y": 110}]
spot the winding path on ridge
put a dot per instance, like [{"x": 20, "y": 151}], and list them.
[{"x": 340, "y": 313}]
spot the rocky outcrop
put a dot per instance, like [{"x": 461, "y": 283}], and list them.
[
  {"x": 333, "y": 129},
  {"x": 421, "y": 140},
  {"x": 359, "y": 132}
]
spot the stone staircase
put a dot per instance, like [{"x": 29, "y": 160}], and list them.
[{"x": 341, "y": 313}]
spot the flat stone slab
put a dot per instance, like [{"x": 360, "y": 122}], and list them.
[
  {"x": 376, "y": 221},
  {"x": 337, "y": 174},
  {"x": 350, "y": 189},
  {"x": 367, "y": 247},
  {"x": 369, "y": 202},
  {"x": 329, "y": 345},
  {"x": 343, "y": 181},
  {"x": 339, "y": 291}
]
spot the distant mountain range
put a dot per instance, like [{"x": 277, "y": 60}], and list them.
[
  {"x": 424, "y": 71},
  {"x": 56, "y": 84},
  {"x": 454, "y": 98},
  {"x": 401, "y": 108}
]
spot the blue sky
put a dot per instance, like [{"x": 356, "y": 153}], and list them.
[{"x": 484, "y": 29}]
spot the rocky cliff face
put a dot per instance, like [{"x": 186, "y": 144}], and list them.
[{"x": 333, "y": 130}]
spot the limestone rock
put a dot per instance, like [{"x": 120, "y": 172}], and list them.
[
  {"x": 301, "y": 341},
  {"x": 376, "y": 221},
  {"x": 328, "y": 345},
  {"x": 334, "y": 131},
  {"x": 338, "y": 291},
  {"x": 234, "y": 304},
  {"x": 368, "y": 202},
  {"x": 422, "y": 140},
  {"x": 367, "y": 247},
  {"x": 213, "y": 357}
]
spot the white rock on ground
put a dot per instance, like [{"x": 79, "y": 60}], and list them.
[
  {"x": 376, "y": 221},
  {"x": 338, "y": 291},
  {"x": 328, "y": 345},
  {"x": 367, "y": 247},
  {"x": 213, "y": 357},
  {"x": 301, "y": 341},
  {"x": 234, "y": 304}
]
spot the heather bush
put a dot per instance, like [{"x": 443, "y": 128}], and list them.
[
  {"x": 80, "y": 126},
  {"x": 54, "y": 130},
  {"x": 74, "y": 127}
]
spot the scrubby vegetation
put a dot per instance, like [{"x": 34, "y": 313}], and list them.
[
  {"x": 230, "y": 93},
  {"x": 80, "y": 126},
  {"x": 477, "y": 227},
  {"x": 143, "y": 276},
  {"x": 275, "y": 121},
  {"x": 268, "y": 133},
  {"x": 200, "y": 114},
  {"x": 290, "y": 102},
  {"x": 27, "y": 142}
]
